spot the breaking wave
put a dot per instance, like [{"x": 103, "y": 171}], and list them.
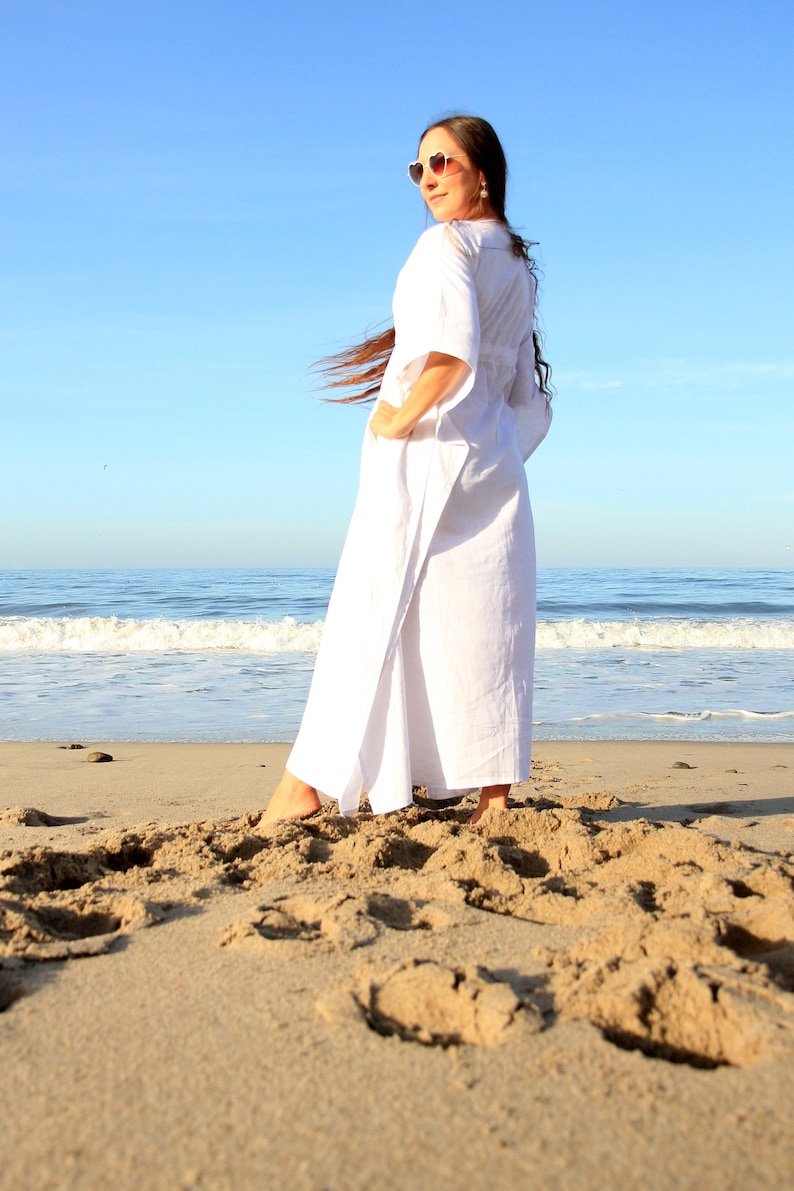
[
  {"x": 685, "y": 717},
  {"x": 99, "y": 634},
  {"x": 739, "y": 633},
  {"x": 96, "y": 634}
]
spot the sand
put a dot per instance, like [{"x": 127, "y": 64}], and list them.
[{"x": 593, "y": 989}]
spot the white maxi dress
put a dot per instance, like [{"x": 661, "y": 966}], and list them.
[{"x": 424, "y": 673}]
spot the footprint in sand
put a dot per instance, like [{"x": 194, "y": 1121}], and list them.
[
  {"x": 426, "y": 1002},
  {"x": 338, "y": 921},
  {"x": 342, "y": 922},
  {"x": 701, "y": 969},
  {"x": 52, "y": 908},
  {"x": 49, "y": 927}
]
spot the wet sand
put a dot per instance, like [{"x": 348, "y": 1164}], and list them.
[{"x": 594, "y": 988}]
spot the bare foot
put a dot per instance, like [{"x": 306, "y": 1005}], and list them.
[
  {"x": 292, "y": 799},
  {"x": 492, "y": 798}
]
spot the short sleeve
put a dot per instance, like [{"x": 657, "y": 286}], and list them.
[
  {"x": 435, "y": 307},
  {"x": 458, "y": 320}
]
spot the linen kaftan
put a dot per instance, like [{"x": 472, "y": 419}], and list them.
[{"x": 424, "y": 673}]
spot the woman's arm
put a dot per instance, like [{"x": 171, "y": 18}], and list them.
[{"x": 440, "y": 377}]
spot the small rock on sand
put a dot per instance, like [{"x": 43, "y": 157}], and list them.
[{"x": 25, "y": 816}]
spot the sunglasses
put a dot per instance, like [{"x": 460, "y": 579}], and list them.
[{"x": 436, "y": 163}]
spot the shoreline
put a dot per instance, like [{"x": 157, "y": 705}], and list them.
[{"x": 594, "y": 988}]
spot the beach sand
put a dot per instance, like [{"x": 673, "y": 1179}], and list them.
[{"x": 594, "y": 989}]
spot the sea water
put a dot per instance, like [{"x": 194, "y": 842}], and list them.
[{"x": 227, "y": 655}]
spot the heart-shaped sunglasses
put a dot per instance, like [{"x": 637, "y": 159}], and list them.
[{"x": 436, "y": 163}]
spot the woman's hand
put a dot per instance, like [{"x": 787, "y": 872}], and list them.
[
  {"x": 441, "y": 376},
  {"x": 387, "y": 423}
]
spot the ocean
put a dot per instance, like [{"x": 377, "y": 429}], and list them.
[{"x": 227, "y": 655}]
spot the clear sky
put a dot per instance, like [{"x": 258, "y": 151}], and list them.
[{"x": 199, "y": 197}]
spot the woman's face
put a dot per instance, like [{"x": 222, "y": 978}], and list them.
[{"x": 457, "y": 194}]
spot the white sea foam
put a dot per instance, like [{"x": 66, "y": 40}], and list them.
[
  {"x": 119, "y": 635},
  {"x": 738, "y": 633},
  {"x": 685, "y": 716},
  {"x": 97, "y": 634}
]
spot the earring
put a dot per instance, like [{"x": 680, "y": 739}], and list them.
[{"x": 484, "y": 191}]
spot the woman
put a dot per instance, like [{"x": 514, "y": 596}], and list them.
[{"x": 424, "y": 674}]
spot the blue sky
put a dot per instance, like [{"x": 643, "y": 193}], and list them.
[{"x": 199, "y": 198}]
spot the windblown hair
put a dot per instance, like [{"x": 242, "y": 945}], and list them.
[{"x": 359, "y": 369}]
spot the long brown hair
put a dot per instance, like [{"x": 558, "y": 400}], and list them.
[{"x": 359, "y": 369}]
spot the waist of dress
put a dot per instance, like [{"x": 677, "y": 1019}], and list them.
[{"x": 494, "y": 353}]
